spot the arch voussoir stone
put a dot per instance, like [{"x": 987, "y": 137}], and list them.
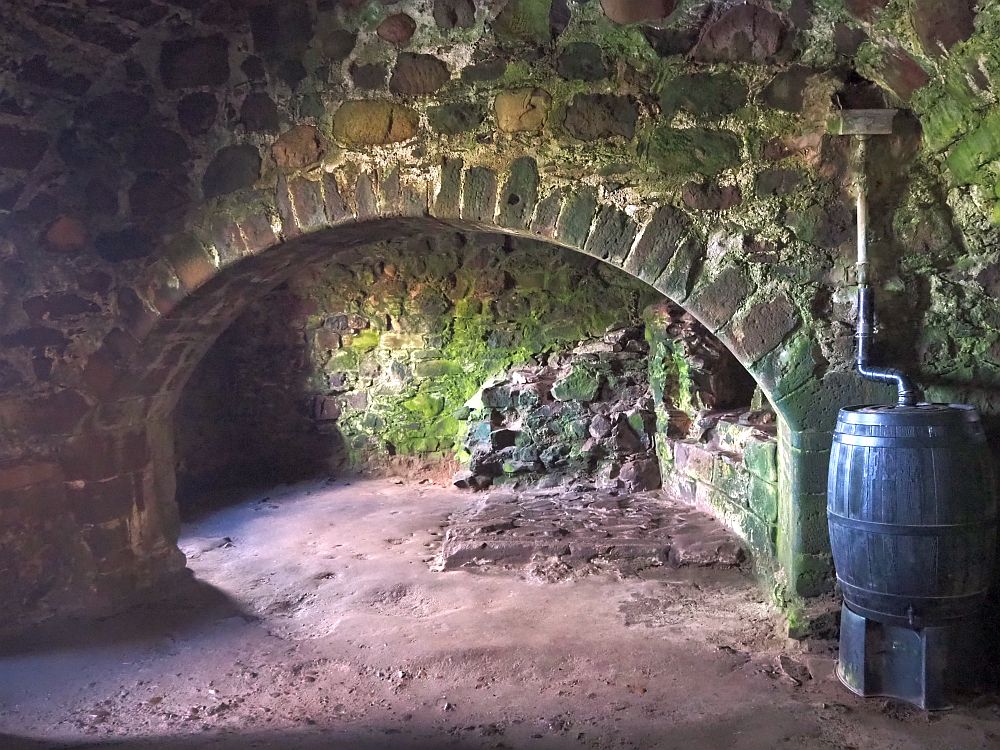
[
  {"x": 761, "y": 326},
  {"x": 448, "y": 201},
  {"x": 300, "y": 206},
  {"x": 659, "y": 241},
  {"x": 402, "y": 194},
  {"x": 519, "y": 195},
  {"x": 612, "y": 235},
  {"x": 366, "y": 196},
  {"x": 337, "y": 209},
  {"x": 576, "y": 216},
  {"x": 675, "y": 281},
  {"x": 716, "y": 298},
  {"x": 479, "y": 195},
  {"x": 191, "y": 261},
  {"x": 390, "y": 194},
  {"x": 254, "y": 231},
  {"x": 546, "y": 218}
]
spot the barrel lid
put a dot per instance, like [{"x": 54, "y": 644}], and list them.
[{"x": 921, "y": 413}]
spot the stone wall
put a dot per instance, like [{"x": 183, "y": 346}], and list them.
[
  {"x": 715, "y": 433},
  {"x": 731, "y": 471},
  {"x": 346, "y": 367},
  {"x": 581, "y": 416},
  {"x": 166, "y": 163},
  {"x": 245, "y": 418}
]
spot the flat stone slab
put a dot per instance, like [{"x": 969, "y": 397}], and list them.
[{"x": 558, "y": 534}]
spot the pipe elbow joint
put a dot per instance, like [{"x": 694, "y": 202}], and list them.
[{"x": 907, "y": 393}]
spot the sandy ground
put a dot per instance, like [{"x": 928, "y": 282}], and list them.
[{"x": 314, "y": 620}]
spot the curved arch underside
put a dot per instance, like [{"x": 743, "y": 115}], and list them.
[{"x": 656, "y": 256}]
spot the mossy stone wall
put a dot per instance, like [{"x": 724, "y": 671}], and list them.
[
  {"x": 715, "y": 432},
  {"x": 349, "y": 366}
]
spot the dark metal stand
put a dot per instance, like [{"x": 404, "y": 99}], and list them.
[{"x": 922, "y": 666}]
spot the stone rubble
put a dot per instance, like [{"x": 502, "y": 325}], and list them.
[{"x": 586, "y": 413}]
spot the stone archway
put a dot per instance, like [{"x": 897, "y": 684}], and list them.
[
  {"x": 131, "y": 543},
  {"x": 763, "y": 320},
  {"x": 657, "y": 244}
]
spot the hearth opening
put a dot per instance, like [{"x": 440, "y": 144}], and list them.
[{"x": 485, "y": 361}]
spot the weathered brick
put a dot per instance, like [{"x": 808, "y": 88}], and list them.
[
  {"x": 519, "y": 194},
  {"x": 446, "y": 203},
  {"x": 479, "y": 196}
]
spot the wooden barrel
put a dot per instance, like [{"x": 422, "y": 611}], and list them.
[{"x": 912, "y": 510}]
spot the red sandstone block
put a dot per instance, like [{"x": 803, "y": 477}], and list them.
[
  {"x": 300, "y": 203},
  {"x": 95, "y": 456},
  {"x": 102, "y": 501},
  {"x": 326, "y": 408},
  {"x": 15, "y": 476},
  {"x": 102, "y": 370},
  {"x": 108, "y": 542},
  {"x": 633, "y": 11},
  {"x": 228, "y": 241},
  {"x": 298, "y": 147},
  {"x": 190, "y": 262},
  {"x": 66, "y": 235},
  {"x": 694, "y": 461},
  {"x": 258, "y": 233},
  {"x": 57, "y": 413},
  {"x": 33, "y": 505}
]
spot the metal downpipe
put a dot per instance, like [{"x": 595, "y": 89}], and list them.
[{"x": 907, "y": 392}]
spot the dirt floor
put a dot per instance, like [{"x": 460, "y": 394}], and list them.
[{"x": 315, "y": 619}]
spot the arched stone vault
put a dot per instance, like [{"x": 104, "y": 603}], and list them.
[
  {"x": 159, "y": 168},
  {"x": 753, "y": 314},
  {"x": 309, "y": 220}
]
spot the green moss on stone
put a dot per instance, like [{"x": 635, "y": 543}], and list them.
[
  {"x": 582, "y": 384},
  {"x": 703, "y": 94},
  {"x": 345, "y": 359},
  {"x": 436, "y": 368},
  {"x": 688, "y": 151},
  {"x": 524, "y": 21},
  {"x": 975, "y": 151},
  {"x": 365, "y": 341},
  {"x": 763, "y": 499},
  {"x": 761, "y": 459},
  {"x": 424, "y": 406}
]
